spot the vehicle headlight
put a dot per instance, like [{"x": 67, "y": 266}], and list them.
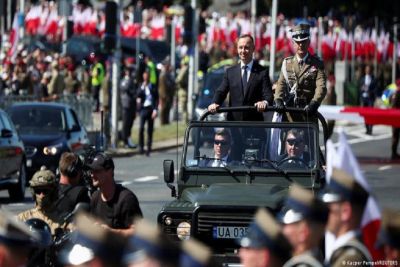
[
  {"x": 52, "y": 150},
  {"x": 183, "y": 230},
  {"x": 168, "y": 221}
]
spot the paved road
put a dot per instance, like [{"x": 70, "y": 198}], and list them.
[{"x": 144, "y": 175}]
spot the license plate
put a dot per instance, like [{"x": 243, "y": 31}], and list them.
[
  {"x": 28, "y": 163},
  {"x": 229, "y": 232}
]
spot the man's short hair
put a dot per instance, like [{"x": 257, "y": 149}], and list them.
[
  {"x": 246, "y": 36},
  {"x": 296, "y": 133},
  {"x": 69, "y": 164},
  {"x": 225, "y": 133}
]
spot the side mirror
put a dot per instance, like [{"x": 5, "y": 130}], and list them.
[
  {"x": 6, "y": 133},
  {"x": 169, "y": 175}
]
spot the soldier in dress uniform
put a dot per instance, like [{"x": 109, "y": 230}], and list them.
[
  {"x": 389, "y": 236},
  {"x": 149, "y": 247},
  {"x": 304, "y": 220},
  {"x": 264, "y": 245},
  {"x": 302, "y": 81},
  {"x": 346, "y": 200},
  {"x": 93, "y": 245},
  {"x": 16, "y": 241}
]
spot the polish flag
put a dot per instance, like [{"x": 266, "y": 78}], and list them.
[
  {"x": 157, "y": 25},
  {"x": 344, "y": 159},
  {"x": 14, "y": 38},
  {"x": 51, "y": 24},
  {"x": 32, "y": 20}
]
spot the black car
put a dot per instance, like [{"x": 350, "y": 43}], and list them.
[
  {"x": 48, "y": 130},
  {"x": 12, "y": 159}
]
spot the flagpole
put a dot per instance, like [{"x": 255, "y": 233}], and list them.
[
  {"x": 376, "y": 47},
  {"x": 274, "y": 10},
  {"x": 395, "y": 44}
]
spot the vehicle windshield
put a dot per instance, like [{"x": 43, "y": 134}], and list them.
[
  {"x": 31, "y": 120},
  {"x": 260, "y": 147}
]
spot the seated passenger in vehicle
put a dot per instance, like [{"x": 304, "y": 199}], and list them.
[
  {"x": 222, "y": 149},
  {"x": 295, "y": 147}
]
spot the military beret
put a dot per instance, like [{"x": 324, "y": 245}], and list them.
[
  {"x": 149, "y": 241},
  {"x": 390, "y": 229},
  {"x": 92, "y": 240},
  {"x": 300, "y": 32},
  {"x": 344, "y": 187},
  {"x": 14, "y": 232},
  {"x": 265, "y": 232},
  {"x": 302, "y": 204}
]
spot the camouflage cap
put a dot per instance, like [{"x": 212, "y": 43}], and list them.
[{"x": 43, "y": 177}]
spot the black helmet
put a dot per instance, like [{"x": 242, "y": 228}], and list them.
[{"x": 42, "y": 229}]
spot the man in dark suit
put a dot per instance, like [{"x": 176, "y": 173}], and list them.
[
  {"x": 247, "y": 83},
  {"x": 222, "y": 148},
  {"x": 368, "y": 92}
]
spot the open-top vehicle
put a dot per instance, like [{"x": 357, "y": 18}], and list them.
[{"x": 216, "y": 199}]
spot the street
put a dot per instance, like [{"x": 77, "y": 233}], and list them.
[{"x": 144, "y": 175}]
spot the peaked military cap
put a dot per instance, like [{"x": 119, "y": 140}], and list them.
[
  {"x": 390, "y": 229},
  {"x": 300, "y": 32},
  {"x": 302, "y": 204},
  {"x": 344, "y": 187},
  {"x": 91, "y": 240},
  {"x": 149, "y": 241},
  {"x": 14, "y": 232},
  {"x": 265, "y": 232}
]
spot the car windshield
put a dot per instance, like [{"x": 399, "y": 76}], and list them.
[
  {"x": 260, "y": 147},
  {"x": 33, "y": 119}
]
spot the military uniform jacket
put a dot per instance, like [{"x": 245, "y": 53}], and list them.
[
  {"x": 307, "y": 259},
  {"x": 351, "y": 253},
  {"x": 309, "y": 81},
  {"x": 36, "y": 213}
]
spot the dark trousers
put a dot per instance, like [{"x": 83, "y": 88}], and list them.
[
  {"x": 145, "y": 116},
  {"x": 165, "y": 110},
  {"x": 395, "y": 140},
  {"x": 128, "y": 117},
  {"x": 367, "y": 102},
  {"x": 96, "y": 96}
]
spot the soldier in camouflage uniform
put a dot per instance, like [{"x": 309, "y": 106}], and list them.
[
  {"x": 45, "y": 191},
  {"x": 302, "y": 81}
]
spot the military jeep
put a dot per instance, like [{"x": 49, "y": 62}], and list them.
[{"x": 215, "y": 199}]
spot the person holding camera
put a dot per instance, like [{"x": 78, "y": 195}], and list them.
[
  {"x": 113, "y": 204},
  {"x": 71, "y": 188}
]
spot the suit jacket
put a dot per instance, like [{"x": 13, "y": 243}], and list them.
[
  {"x": 258, "y": 89},
  {"x": 141, "y": 94},
  {"x": 310, "y": 79}
]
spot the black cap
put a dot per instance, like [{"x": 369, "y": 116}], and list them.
[{"x": 100, "y": 161}]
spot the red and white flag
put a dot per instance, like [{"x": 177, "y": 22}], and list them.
[
  {"x": 14, "y": 38},
  {"x": 344, "y": 159}
]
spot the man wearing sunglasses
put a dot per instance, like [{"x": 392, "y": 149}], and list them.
[
  {"x": 45, "y": 193},
  {"x": 294, "y": 148},
  {"x": 222, "y": 148},
  {"x": 114, "y": 205}
]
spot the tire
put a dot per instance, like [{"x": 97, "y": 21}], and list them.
[{"x": 17, "y": 191}]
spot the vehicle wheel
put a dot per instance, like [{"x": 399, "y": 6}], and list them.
[{"x": 17, "y": 191}]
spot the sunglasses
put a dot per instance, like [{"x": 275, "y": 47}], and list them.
[
  {"x": 220, "y": 142},
  {"x": 295, "y": 142},
  {"x": 43, "y": 191}
]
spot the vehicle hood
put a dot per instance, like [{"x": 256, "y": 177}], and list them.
[
  {"x": 267, "y": 195},
  {"x": 43, "y": 138}
]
